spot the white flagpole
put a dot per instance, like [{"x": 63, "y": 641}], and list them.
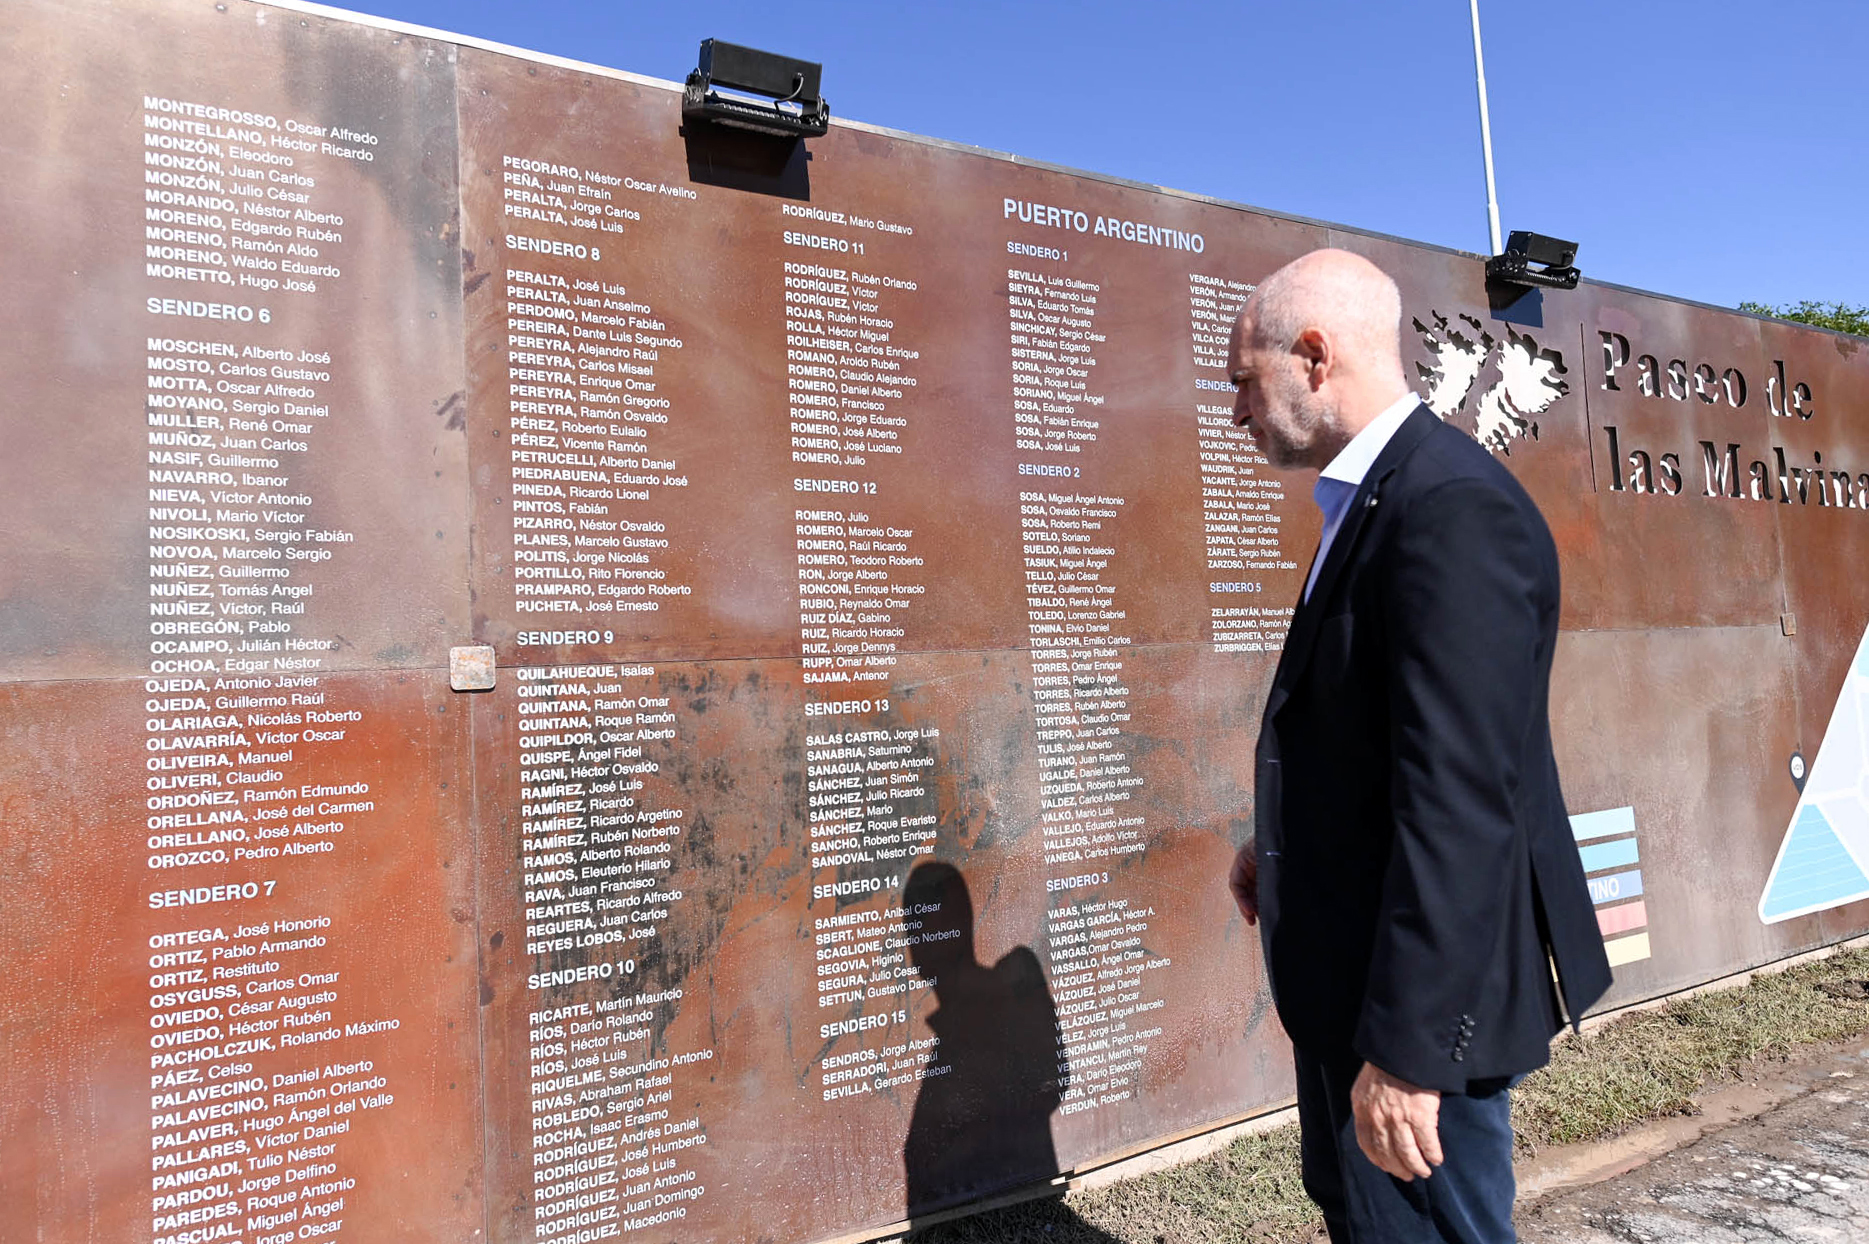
[{"x": 1486, "y": 131}]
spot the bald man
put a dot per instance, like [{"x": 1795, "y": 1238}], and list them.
[{"x": 1412, "y": 871}]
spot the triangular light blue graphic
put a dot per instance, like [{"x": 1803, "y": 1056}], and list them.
[
  {"x": 1824, "y": 861},
  {"x": 1814, "y": 872}
]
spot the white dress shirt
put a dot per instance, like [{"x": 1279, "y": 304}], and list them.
[{"x": 1338, "y": 482}]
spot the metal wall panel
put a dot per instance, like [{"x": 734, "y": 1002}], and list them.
[
  {"x": 746, "y": 368},
  {"x": 240, "y": 940}
]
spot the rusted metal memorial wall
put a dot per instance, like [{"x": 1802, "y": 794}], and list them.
[{"x": 828, "y": 519}]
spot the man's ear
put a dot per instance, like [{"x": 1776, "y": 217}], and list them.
[{"x": 1319, "y": 357}]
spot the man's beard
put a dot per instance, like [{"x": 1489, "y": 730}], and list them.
[{"x": 1306, "y": 417}]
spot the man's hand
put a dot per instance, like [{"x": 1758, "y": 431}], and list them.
[
  {"x": 1397, "y": 1124},
  {"x": 1243, "y": 880}
]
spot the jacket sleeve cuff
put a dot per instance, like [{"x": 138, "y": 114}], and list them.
[{"x": 1430, "y": 1059}]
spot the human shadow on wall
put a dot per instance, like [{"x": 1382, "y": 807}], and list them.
[{"x": 982, "y": 1120}]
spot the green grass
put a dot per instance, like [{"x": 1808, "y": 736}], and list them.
[
  {"x": 1650, "y": 1064},
  {"x": 1644, "y": 1066}
]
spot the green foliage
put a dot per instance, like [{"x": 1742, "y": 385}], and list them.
[{"x": 1837, "y": 316}]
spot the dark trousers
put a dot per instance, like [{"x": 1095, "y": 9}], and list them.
[{"x": 1468, "y": 1200}]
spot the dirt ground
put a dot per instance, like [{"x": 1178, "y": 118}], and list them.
[{"x": 1798, "y": 1171}]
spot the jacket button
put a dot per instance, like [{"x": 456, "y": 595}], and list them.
[{"x": 1459, "y": 1057}]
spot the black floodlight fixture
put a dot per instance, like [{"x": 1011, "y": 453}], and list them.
[
  {"x": 1532, "y": 259},
  {"x": 754, "y": 90}
]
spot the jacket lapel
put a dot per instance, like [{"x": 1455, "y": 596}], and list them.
[{"x": 1310, "y": 612}]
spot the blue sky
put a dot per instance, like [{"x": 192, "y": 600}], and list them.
[{"x": 1714, "y": 150}]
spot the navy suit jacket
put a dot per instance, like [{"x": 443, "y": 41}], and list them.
[{"x": 1418, "y": 880}]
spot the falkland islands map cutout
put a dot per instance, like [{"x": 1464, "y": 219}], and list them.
[
  {"x": 1526, "y": 386},
  {"x": 1824, "y": 861}
]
